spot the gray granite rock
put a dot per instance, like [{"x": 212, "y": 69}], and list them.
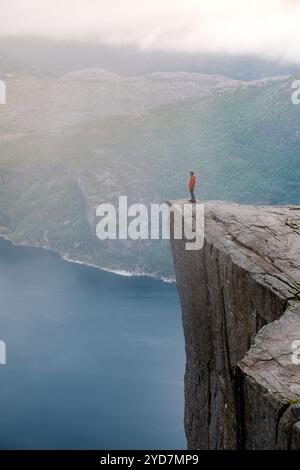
[{"x": 240, "y": 298}]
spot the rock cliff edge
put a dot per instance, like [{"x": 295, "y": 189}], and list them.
[{"x": 240, "y": 298}]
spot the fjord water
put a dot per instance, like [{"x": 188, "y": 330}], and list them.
[{"x": 94, "y": 360}]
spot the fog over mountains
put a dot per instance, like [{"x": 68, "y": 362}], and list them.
[{"x": 29, "y": 55}]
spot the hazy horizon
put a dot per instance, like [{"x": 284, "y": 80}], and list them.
[
  {"x": 40, "y": 55},
  {"x": 129, "y": 37}
]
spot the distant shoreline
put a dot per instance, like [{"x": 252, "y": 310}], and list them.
[{"x": 68, "y": 259}]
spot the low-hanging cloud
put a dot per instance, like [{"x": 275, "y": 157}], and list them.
[{"x": 267, "y": 28}]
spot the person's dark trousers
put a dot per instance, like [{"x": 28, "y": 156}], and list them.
[{"x": 193, "y": 199}]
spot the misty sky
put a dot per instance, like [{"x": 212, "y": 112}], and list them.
[{"x": 267, "y": 28}]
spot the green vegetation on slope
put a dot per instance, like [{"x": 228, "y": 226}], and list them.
[{"x": 243, "y": 144}]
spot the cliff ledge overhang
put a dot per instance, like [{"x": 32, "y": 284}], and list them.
[{"x": 240, "y": 298}]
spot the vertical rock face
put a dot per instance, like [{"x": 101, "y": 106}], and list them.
[{"x": 240, "y": 298}]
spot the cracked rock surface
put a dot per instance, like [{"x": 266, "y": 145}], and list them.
[{"x": 240, "y": 298}]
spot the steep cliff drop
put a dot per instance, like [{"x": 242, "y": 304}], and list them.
[{"x": 240, "y": 298}]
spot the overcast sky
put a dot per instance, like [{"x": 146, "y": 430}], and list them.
[{"x": 268, "y": 28}]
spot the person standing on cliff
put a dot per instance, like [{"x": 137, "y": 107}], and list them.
[{"x": 192, "y": 184}]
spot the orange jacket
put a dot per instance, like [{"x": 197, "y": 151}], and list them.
[{"x": 192, "y": 182}]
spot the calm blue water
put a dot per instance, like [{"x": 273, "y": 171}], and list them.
[{"x": 94, "y": 360}]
